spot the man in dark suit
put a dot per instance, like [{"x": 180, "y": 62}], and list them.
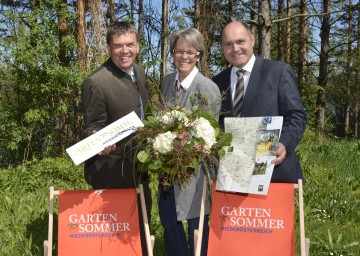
[
  {"x": 112, "y": 91},
  {"x": 269, "y": 89}
]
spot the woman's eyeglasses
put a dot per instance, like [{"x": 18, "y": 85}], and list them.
[{"x": 189, "y": 53}]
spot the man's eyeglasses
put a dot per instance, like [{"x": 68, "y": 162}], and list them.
[{"x": 188, "y": 53}]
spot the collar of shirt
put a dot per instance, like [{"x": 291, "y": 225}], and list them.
[
  {"x": 133, "y": 78},
  {"x": 131, "y": 74},
  {"x": 185, "y": 84},
  {"x": 233, "y": 77}
]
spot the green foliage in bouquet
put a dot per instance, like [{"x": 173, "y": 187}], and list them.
[{"x": 175, "y": 141}]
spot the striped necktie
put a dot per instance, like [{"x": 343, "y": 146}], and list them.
[
  {"x": 177, "y": 86},
  {"x": 239, "y": 92}
]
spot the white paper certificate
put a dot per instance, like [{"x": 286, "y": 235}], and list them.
[{"x": 109, "y": 135}]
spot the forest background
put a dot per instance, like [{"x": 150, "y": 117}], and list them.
[{"x": 48, "y": 47}]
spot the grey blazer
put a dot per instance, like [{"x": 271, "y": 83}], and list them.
[
  {"x": 107, "y": 95},
  {"x": 188, "y": 196},
  {"x": 271, "y": 91}
]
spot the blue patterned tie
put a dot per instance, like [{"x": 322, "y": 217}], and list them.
[{"x": 239, "y": 92}]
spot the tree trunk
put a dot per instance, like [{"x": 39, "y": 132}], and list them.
[
  {"x": 33, "y": 4},
  {"x": 197, "y": 13},
  {"x": 203, "y": 23},
  {"x": 356, "y": 105},
  {"x": 280, "y": 36},
  {"x": 230, "y": 7},
  {"x": 265, "y": 25},
  {"x": 302, "y": 47},
  {"x": 62, "y": 121},
  {"x": 140, "y": 27},
  {"x": 349, "y": 71},
  {"x": 357, "y": 81},
  {"x": 63, "y": 30},
  {"x": 97, "y": 45},
  {"x": 81, "y": 28},
  {"x": 141, "y": 15},
  {"x": 111, "y": 10},
  {"x": 132, "y": 8},
  {"x": 164, "y": 37},
  {"x": 252, "y": 16},
  {"x": 288, "y": 32},
  {"x": 322, "y": 80}
]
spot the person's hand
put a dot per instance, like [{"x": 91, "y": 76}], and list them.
[
  {"x": 280, "y": 154},
  {"x": 107, "y": 149}
]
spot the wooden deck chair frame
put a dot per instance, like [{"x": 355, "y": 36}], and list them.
[
  {"x": 150, "y": 239},
  {"x": 304, "y": 242}
]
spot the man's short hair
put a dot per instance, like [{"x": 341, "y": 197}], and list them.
[{"x": 121, "y": 28}]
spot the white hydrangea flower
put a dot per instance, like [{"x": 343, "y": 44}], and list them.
[
  {"x": 178, "y": 114},
  {"x": 181, "y": 116},
  {"x": 203, "y": 129},
  {"x": 167, "y": 119},
  {"x": 164, "y": 142}
]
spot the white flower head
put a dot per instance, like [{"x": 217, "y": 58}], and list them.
[
  {"x": 167, "y": 119},
  {"x": 181, "y": 116},
  {"x": 203, "y": 129},
  {"x": 164, "y": 142}
]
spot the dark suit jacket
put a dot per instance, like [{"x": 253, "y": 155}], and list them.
[
  {"x": 109, "y": 94},
  {"x": 271, "y": 91}
]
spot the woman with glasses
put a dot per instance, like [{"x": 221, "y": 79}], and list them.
[{"x": 185, "y": 88}]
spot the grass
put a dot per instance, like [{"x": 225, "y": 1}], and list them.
[{"x": 331, "y": 197}]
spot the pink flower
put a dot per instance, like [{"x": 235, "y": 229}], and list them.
[
  {"x": 184, "y": 136},
  {"x": 198, "y": 147}
]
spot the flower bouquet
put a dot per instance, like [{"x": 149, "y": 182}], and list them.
[{"x": 175, "y": 141}]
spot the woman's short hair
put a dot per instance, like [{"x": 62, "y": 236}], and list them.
[
  {"x": 121, "y": 28},
  {"x": 193, "y": 37}
]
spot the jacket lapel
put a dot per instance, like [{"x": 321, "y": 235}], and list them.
[
  {"x": 225, "y": 88},
  {"x": 141, "y": 83}
]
